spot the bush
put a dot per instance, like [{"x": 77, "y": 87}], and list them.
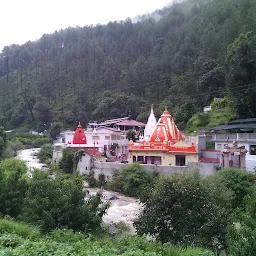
[
  {"x": 132, "y": 180},
  {"x": 242, "y": 230},
  {"x": 18, "y": 228},
  {"x": 91, "y": 179},
  {"x": 66, "y": 163},
  {"x": 29, "y": 140},
  {"x": 188, "y": 209},
  {"x": 66, "y": 242},
  {"x": 45, "y": 153},
  {"x": 13, "y": 146},
  {"x": 13, "y": 186},
  {"x": 101, "y": 180},
  {"x": 58, "y": 202},
  {"x": 238, "y": 181}
]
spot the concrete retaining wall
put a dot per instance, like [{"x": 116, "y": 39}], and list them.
[{"x": 109, "y": 168}]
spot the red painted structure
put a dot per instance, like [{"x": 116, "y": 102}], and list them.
[
  {"x": 79, "y": 136},
  {"x": 166, "y": 138}
]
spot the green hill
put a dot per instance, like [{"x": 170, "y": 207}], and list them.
[{"x": 197, "y": 50}]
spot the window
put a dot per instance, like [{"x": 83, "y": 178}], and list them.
[
  {"x": 95, "y": 137},
  {"x": 252, "y": 149},
  {"x": 180, "y": 160},
  {"x": 107, "y": 137}
]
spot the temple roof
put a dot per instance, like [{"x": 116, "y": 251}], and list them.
[
  {"x": 130, "y": 122},
  {"x": 165, "y": 137},
  {"x": 79, "y": 136},
  {"x": 160, "y": 134},
  {"x": 169, "y": 130},
  {"x": 151, "y": 124},
  {"x": 123, "y": 121}
]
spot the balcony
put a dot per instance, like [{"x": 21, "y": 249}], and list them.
[{"x": 234, "y": 137}]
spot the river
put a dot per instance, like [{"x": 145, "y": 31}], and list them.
[{"x": 123, "y": 209}]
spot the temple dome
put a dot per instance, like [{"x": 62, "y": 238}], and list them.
[
  {"x": 167, "y": 119},
  {"x": 79, "y": 136},
  {"x": 160, "y": 134},
  {"x": 151, "y": 125}
]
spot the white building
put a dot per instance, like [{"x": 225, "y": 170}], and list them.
[
  {"x": 241, "y": 132},
  {"x": 103, "y": 139}
]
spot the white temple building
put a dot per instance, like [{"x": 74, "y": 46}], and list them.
[{"x": 151, "y": 125}]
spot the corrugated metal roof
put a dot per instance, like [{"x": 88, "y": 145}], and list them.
[
  {"x": 243, "y": 121},
  {"x": 130, "y": 123},
  {"x": 234, "y": 126}
]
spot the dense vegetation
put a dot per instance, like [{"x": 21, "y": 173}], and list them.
[
  {"x": 19, "y": 239},
  {"x": 215, "y": 212},
  {"x": 222, "y": 111},
  {"x": 11, "y": 143},
  {"x": 185, "y": 209},
  {"x": 131, "y": 180},
  {"x": 47, "y": 201},
  {"x": 45, "y": 153},
  {"x": 197, "y": 50}
]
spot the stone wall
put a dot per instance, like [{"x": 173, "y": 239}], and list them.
[{"x": 109, "y": 168}]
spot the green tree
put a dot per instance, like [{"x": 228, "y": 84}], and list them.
[
  {"x": 241, "y": 77},
  {"x": 45, "y": 153},
  {"x": 55, "y": 129},
  {"x": 132, "y": 180},
  {"x": 131, "y": 135},
  {"x": 13, "y": 146},
  {"x": 58, "y": 202},
  {"x": 188, "y": 209},
  {"x": 66, "y": 162},
  {"x": 13, "y": 186},
  {"x": 242, "y": 229},
  {"x": 3, "y": 140},
  {"x": 238, "y": 181}
]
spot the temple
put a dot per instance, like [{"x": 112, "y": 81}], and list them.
[
  {"x": 151, "y": 125},
  {"x": 165, "y": 146},
  {"x": 79, "y": 136}
]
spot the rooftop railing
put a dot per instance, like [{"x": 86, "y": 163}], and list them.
[{"x": 234, "y": 136}]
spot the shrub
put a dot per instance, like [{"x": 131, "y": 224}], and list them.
[
  {"x": 18, "y": 228},
  {"x": 58, "y": 202},
  {"x": 132, "y": 180},
  {"x": 45, "y": 153},
  {"x": 29, "y": 140},
  {"x": 13, "y": 186},
  {"x": 238, "y": 181},
  {"x": 66, "y": 163},
  {"x": 12, "y": 148},
  {"x": 101, "y": 180},
  {"x": 242, "y": 230},
  {"x": 91, "y": 179},
  {"x": 188, "y": 209}
]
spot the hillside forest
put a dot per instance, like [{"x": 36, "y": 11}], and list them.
[{"x": 195, "y": 51}]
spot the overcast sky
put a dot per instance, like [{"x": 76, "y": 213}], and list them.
[{"x": 24, "y": 20}]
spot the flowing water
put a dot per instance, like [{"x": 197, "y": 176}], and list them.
[{"x": 123, "y": 209}]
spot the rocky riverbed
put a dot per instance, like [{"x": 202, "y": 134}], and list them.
[{"x": 123, "y": 209}]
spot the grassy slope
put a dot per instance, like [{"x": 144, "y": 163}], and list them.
[{"x": 20, "y": 239}]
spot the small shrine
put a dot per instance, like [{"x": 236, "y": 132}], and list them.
[
  {"x": 234, "y": 156},
  {"x": 165, "y": 146},
  {"x": 79, "y": 136}
]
